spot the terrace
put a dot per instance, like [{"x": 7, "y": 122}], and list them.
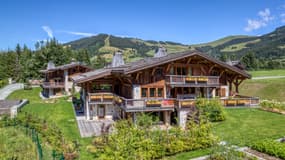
[{"x": 159, "y": 104}]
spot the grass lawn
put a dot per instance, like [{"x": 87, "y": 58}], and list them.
[
  {"x": 189, "y": 155},
  {"x": 59, "y": 113},
  {"x": 276, "y": 72},
  {"x": 241, "y": 127},
  {"x": 244, "y": 126},
  {"x": 264, "y": 88}
]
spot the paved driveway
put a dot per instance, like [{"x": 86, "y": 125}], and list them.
[{"x": 4, "y": 92}]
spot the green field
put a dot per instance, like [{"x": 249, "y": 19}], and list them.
[
  {"x": 271, "y": 89},
  {"x": 276, "y": 72},
  {"x": 244, "y": 126},
  {"x": 59, "y": 113}
]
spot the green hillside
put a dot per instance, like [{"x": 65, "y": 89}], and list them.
[
  {"x": 106, "y": 45},
  {"x": 268, "y": 49},
  {"x": 268, "y": 46}
]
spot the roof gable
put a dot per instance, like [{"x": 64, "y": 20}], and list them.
[{"x": 153, "y": 62}]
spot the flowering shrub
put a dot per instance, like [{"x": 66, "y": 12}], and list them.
[{"x": 266, "y": 104}]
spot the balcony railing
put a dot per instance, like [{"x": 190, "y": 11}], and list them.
[
  {"x": 192, "y": 80},
  {"x": 229, "y": 102},
  {"x": 148, "y": 104},
  {"x": 153, "y": 104},
  {"x": 240, "y": 101},
  {"x": 104, "y": 98},
  {"x": 53, "y": 84},
  {"x": 131, "y": 104}
]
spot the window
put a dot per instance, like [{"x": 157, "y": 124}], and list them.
[
  {"x": 152, "y": 92},
  {"x": 158, "y": 72},
  {"x": 102, "y": 87},
  {"x": 144, "y": 92},
  {"x": 181, "y": 70},
  {"x": 159, "y": 92}
]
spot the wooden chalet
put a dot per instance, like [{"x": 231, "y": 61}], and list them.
[
  {"x": 57, "y": 80},
  {"x": 165, "y": 85}
]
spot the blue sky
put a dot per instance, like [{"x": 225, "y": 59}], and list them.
[{"x": 185, "y": 21}]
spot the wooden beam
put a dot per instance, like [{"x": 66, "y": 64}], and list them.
[
  {"x": 189, "y": 60},
  {"x": 168, "y": 67},
  {"x": 153, "y": 70},
  {"x": 137, "y": 76},
  {"x": 203, "y": 70},
  {"x": 211, "y": 68}
]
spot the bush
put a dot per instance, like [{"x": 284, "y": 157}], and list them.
[
  {"x": 213, "y": 109},
  {"x": 270, "y": 147},
  {"x": 273, "y": 105},
  {"x": 3, "y": 82},
  {"x": 130, "y": 141}
]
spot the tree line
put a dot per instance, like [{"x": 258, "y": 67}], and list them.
[{"x": 22, "y": 63}]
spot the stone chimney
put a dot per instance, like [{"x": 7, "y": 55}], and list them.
[
  {"x": 117, "y": 59},
  {"x": 50, "y": 65},
  {"x": 73, "y": 61},
  {"x": 160, "y": 52}
]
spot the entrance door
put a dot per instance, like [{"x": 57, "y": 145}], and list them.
[{"x": 101, "y": 111}]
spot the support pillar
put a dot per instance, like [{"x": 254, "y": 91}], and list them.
[{"x": 166, "y": 117}]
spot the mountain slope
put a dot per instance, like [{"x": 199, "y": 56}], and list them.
[
  {"x": 268, "y": 46},
  {"x": 271, "y": 45},
  {"x": 133, "y": 48}
]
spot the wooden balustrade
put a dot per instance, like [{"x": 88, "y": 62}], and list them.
[
  {"x": 53, "y": 84},
  {"x": 161, "y": 103},
  {"x": 192, "y": 80}
]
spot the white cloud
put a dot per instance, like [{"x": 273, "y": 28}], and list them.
[
  {"x": 253, "y": 25},
  {"x": 262, "y": 21},
  {"x": 84, "y": 34},
  {"x": 265, "y": 15},
  {"x": 48, "y": 30}
]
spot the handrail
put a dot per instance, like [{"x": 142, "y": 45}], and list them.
[
  {"x": 193, "y": 80},
  {"x": 191, "y": 76},
  {"x": 165, "y": 102}
]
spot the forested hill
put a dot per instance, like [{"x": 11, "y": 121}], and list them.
[
  {"x": 133, "y": 48},
  {"x": 268, "y": 48},
  {"x": 271, "y": 45},
  {"x": 259, "y": 52}
]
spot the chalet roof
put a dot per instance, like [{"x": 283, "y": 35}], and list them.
[
  {"x": 152, "y": 62},
  {"x": 65, "y": 66}
]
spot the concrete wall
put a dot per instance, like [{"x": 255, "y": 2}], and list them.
[{"x": 182, "y": 116}]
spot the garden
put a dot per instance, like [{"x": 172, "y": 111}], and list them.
[{"x": 236, "y": 126}]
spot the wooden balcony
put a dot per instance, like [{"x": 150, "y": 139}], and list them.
[
  {"x": 103, "y": 98},
  {"x": 151, "y": 104},
  {"x": 199, "y": 81},
  {"x": 240, "y": 101},
  {"x": 186, "y": 103},
  {"x": 53, "y": 85},
  {"x": 160, "y": 104}
]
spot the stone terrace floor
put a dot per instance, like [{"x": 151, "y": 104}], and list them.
[{"x": 89, "y": 128}]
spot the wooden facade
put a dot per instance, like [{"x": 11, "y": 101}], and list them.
[
  {"x": 161, "y": 88},
  {"x": 57, "y": 80}
]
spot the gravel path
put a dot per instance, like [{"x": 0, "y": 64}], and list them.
[
  {"x": 268, "y": 77},
  {"x": 4, "y": 92}
]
